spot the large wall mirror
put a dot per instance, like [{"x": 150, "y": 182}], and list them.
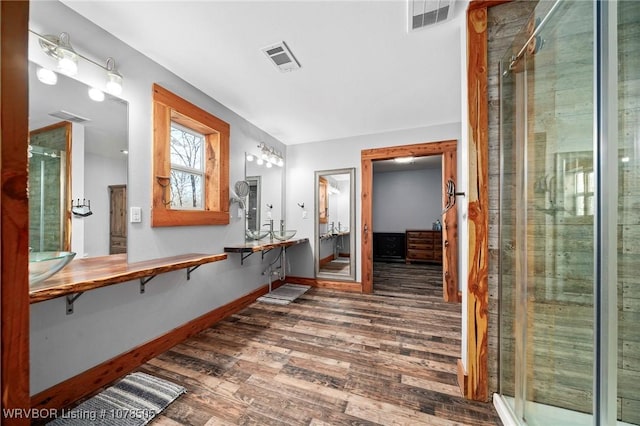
[
  {"x": 335, "y": 224},
  {"x": 77, "y": 168},
  {"x": 264, "y": 202}
]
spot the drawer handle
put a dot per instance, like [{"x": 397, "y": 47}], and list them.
[{"x": 446, "y": 243}]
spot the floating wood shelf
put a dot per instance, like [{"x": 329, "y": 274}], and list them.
[
  {"x": 247, "y": 249},
  {"x": 87, "y": 274}
]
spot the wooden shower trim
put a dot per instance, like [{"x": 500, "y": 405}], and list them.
[
  {"x": 474, "y": 382},
  {"x": 14, "y": 222}
]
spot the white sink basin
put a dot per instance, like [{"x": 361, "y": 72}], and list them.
[{"x": 43, "y": 264}]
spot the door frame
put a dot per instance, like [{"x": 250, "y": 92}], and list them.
[
  {"x": 448, "y": 150},
  {"x": 14, "y": 206}
]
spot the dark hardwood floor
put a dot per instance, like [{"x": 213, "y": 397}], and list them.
[{"x": 329, "y": 358}]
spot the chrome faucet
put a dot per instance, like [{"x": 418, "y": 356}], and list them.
[
  {"x": 270, "y": 223},
  {"x": 281, "y": 226},
  {"x": 332, "y": 227},
  {"x": 339, "y": 226}
]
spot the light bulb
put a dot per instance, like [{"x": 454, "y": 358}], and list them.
[
  {"x": 96, "y": 94},
  {"x": 47, "y": 76},
  {"x": 280, "y": 162},
  {"x": 67, "y": 61},
  {"x": 269, "y": 165},
  {"x": 260, "y": 161},
  {"x": 250, "y": 157},
  {"x": 114, "y": 83}
]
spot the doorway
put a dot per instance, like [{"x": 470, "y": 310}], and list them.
[
  {"x": 117, "y": 219},
  {"x": 445, "y": 149}
]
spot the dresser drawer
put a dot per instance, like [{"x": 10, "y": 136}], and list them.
[
  {"x": 420, "y": 246},
  {"x": 418, "y": 254}
]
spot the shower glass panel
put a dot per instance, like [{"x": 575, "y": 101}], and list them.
[
  {"x": 628, "y": 396},
  {"x": 547, "y": 217}
]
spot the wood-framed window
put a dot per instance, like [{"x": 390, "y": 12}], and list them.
[{"x": 190, "y": 163}]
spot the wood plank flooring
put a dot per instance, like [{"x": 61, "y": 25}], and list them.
[{"x": 329, "y": 358}]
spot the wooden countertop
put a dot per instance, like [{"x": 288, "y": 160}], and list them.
[
  {"x": 262, "y": 245},
  {"x": 81, "y": 275}
]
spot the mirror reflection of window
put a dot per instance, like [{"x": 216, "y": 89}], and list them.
[{"x": 578, "y": 184}]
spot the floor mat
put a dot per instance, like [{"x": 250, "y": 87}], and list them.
[
  {"x": 133, "y": 401},
  {"x": 284, "y": 294}
]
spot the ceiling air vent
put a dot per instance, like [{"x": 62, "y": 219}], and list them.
[
  {"x": 280, "y": 55},
  {"x": 423, "y": 13},
  {"x": 68, "y": 116}
]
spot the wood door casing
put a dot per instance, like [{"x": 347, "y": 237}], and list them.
[
  {"x": 14, "y": 227},
  {"x": 323, "y": 200},
  {"x": 448, "y": 150},
  {"x": 450, "y": 231},
  {"x": 117, "y": 219}
]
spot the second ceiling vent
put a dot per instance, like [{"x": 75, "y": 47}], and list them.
[
  {"x": 280, "y": 55},
  {"x": 423, "y": 13}
]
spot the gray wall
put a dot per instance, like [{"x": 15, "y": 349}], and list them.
[
  {"x": 305, "y": 159},
  {"x": 112, "y": 320},
  {"x": 406, "y": 200},
  {"x": 100, "y": 172}
]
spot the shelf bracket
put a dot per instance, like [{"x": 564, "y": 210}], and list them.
[
  {"x": 144, "y": 281},
  {"x": 70, "y": 299},
  {"x": 190, "y": 270},
  {"x": 243, "y": 257},
  {"x": 265, "y": 252}
]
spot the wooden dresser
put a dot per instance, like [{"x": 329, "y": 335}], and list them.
[{"x": 424, "y": 246}]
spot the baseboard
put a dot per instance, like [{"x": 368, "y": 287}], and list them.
[
  {"x": 344, "y": 254},
  {"x": 349, "y": 286},
  {"x": 326, "y": 260},
  {"x": 462, "y": 378},
  {"x": 88, "y": 382}
]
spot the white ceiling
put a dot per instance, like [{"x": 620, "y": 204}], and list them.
[
  {"x": 362, "y": 72},
  {"x": 106, "y": 128}
]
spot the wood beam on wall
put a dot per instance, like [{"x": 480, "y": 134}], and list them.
[
  {"x": 476, "y": 378},
  {"x": 14, "y": 227}
]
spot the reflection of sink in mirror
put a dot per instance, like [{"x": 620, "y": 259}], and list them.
[
  {"x": 43, "y": 264},
  {"x": 256, "y": 234},
  {"x": 283, "y": 235}
]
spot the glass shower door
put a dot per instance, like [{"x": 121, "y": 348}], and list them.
[{"x": 547, "y": 217}]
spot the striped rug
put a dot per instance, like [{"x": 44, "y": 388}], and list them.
[{"x": 133, "y": 401}]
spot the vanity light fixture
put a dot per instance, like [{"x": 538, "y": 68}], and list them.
[
  {"x": 114, "y": 79},
  {"x": 268, "y": 156},
  {"x": 59, "y": 48},
  {"x": 47, "y": 76}
]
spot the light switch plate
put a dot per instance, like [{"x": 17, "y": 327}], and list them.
[{"x": 136, "y": 214}]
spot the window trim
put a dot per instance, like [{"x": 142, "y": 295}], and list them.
[{"x": 168, "y": 107}]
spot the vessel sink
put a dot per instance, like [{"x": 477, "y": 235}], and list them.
[
  {"x": 43, "y": 264},
  {"x": 283, "y": 235},
  {"x": 256, "y": 234}
]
